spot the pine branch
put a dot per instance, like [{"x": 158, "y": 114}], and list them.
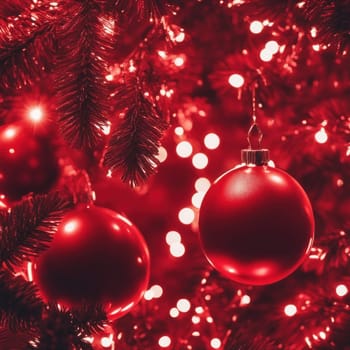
[
  {"x": 134, "y": 144},
  {"x": 332, "y": 19},
  {"x": 20, "y": 308},
  {"x": 28, "y": 228},
  {"x": 89, "y": 319},
  {"x": 139, "y": 10},
  {"x": 60, "y": 329},
  {"x": 10, "y": 8},
  {"x": 26, "y": 48},
  {"x": 85, "y": 46}
]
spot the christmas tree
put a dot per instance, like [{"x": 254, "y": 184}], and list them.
[{"x": 116, "y": 118}]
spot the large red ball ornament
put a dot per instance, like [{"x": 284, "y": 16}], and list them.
[
  {"x": 28, "y": 162},
  {"x": 97, "y": 256},
  {"x": 256, "y": 224}
]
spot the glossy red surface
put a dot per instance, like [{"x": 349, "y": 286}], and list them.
[
  {"x": 96, "y": 256},
  {"x": 256, "y": 224},
  {"x": 27, "y": 162}
]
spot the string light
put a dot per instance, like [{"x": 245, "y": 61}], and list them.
[
  {"x": 184, "y": 149},
  {"x": 200, "y": 160},
  {"x": 173, "y": 237},
  {"x": 107, "y": 342},
  {"x": 321, "y": 136},
  {"x": 186, "y": 216},
  {"x": 272, "y": 46},
  {"x": 162, "y": 154},
  {"x": 177, "y": 250},
  {"x": 341, "y": 290},
  {"x": 236, "y": 80},
  {"x": 265, "y": 55},
  {"x": 183, "y": 305},
  {"x": 290, "y": 310},
  {"x": 164, "y": 341},
  {"x": 35, "y": 114},
  {"x": 202, "y": 184},
  {"x": 179, "y": 61},
  {"x": 215, "y": 343},
  {"x": 211, "y": 141},
  {"x": 256, "y": 27},
  {"x": 197, "y": 199},
  {"x": 174, "y": 312},
  {"x": 179, "y": 131}
]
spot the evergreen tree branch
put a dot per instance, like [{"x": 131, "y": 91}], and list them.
[
  {"x": 26, "y": 48},
  {"x": 89, "y": 319},
  {"x": 85, "y": 45},
  {"x": 60, "y": 328},
  {"x": 10, "y": 8},
  {"x": 20, "y": 308},
  {"x": 29, "y": 226},
  {"x": 134, "y": 144}
]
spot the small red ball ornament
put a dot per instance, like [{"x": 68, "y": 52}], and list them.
[
  {"x": 256, "y": 222},
  {"x": 27, "y": 161},
  {"x": 97, "y": 256}
]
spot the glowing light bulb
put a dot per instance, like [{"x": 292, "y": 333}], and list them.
[
  {"x": 313, "y": 32},
  {"x": 290, "y": 310},
  {"x": 10, "y": 132},
  {"x": 265, "y": 55},
  {"x": 186, "y": 216},
  {"x": 109, "y": 77},
  {"x": 184, "y": 149},
  {"x": 157, "y": 291},
  {"x": 177, "y": 250},
  {"x": 341, "y": 290},
  {"x": 183, "y": 305},
  {"x": 35, "y": 114},
  {"x": 180, "y": 37},
  {"x": 199, "y": 309},
  {"x": 179, "y": 61},
  {"x": 236, "y": 80},
  {"x": 107, "y": 342},
  {"x": 202, "y": 184},
  {"x": 70, "y": 226},
  {"x": 174, "y": 312},
  {"x": 211, "y": 141},
  {"x": 272, "y": 46},
  {"x": 256, "y": 27},
  {"x": 162, "y": 154},
  {"x": 215, "y": 343},
  {"x": 200, "y": 160},
  {"x": 173, "y": 237},
  {"x": 245, "y": 300},
  {"x": 164, "y": 341},
  {"x": 196, "y": 319},
  {"x": 321, "y": 136}
]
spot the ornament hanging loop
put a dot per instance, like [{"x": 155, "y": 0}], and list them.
[{"x": 254, "y": 154}]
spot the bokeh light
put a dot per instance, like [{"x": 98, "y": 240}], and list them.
[
  {"x": 202, "y": 184},
  {"x": 321, "y": 136},
  {"x": 236, "y": 80},
  {"x": 36, "y": 114},
  {"x": 183, "y": 305},
  {"x": 341, "y": 290},
  {"x": 200, "y": 160},
  {"x": 184, "y": 149},
  {"x": 211, "y": 141},
  {"x": 256, "y": 27},
  {"x": 215, "y": 343},
  {"x": 164, "y": 341},
  {"x": 172, "y": 237},
  {"x": 290, "y": 310},
  {"x": 186, "y": 216},
  {"x": 177, "y": 250}
]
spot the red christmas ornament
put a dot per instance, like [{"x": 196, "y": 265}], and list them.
[
  {"x": 96, "y": 256},
  {"x": 27, "y": 161},
  {"x": 256, "y": 222}
]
